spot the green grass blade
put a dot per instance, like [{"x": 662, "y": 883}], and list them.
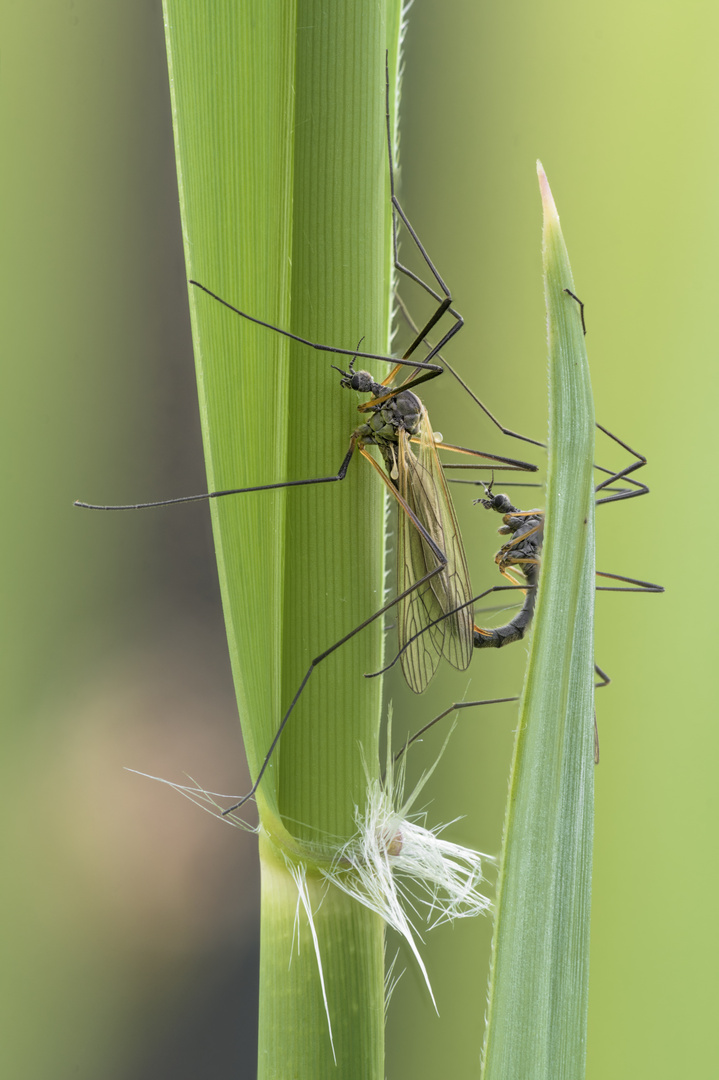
[
  {"x": 232, "y": 81},
  {"x": 282, "y": 169},
  {"x": 537, "y": 1011},
  {"x": 280, "y": 133}
]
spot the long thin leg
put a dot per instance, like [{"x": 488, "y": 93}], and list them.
[
  {"x": 638, "y": 488},
  {"x": 431, "y": 371},
  {"x": 492, "y": 640},
  {"x": 605, "y": 681},
  {"x": 452, "y": 708},
  {"x": 476, "y": 483},
  {"x": 598, "y": 686},
  {"x": 316, "y": 345},
  {"x": 443, "y": 296},
  {"x": 641, "y": 586},
  {"x": 439, "y": 555},
  {"x": 445, "y": 293},
  {"x": 617, "y": 495},
  {"x": 339, "y": 475},
  {"x": 581, "y": 309},
  {"x": 498, "y": 463},
  {"x": 318, "y": 660},
  {"x": 435, "y": 350},
  {"x": 441, "y": 565},
  {"x": 435, "y": 622},
  {"x": 342, "y": 472},
  {"x": 510, "y": 463},
  {"x": 444, "y": 303},
  {"x": 623, "y": 474},
  {"x": 601, "y": 675}
]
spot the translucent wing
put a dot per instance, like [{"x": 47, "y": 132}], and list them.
[
  {"x": 422, "y": 484},
  {"x": 421, "y": 656},
  {"x": 455, "y": 583}
]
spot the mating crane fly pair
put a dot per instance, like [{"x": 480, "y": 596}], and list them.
[
  {"x": 523, "y": 552},
  {"x": 434, "y": 597}
]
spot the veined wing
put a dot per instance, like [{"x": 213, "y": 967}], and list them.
[
  {"x": 422, "y": 484},
  {"x": 420, "y": 658},
  {"x": 459, "y": 636}
]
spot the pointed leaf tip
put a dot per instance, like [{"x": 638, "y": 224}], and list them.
[{"x": 548, "y": 206}]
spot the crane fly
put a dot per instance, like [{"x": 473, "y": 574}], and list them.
[
  {"x": 432, "y": 574},
  {"x": 523, "y": 552},
  {"x": 526, "y": 527}
]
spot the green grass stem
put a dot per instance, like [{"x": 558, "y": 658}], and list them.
[
  {"x": 537, "y": 1013},
  {"x": 279, "y": 114}
]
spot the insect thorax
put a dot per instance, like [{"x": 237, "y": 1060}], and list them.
[
  {"x": 527, "y": 538},
  {"x": 386, "y": 420},
  {"x": 402, "y": 413}
]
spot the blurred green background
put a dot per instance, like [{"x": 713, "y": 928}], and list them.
[{"x": 131, "y": 918}]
